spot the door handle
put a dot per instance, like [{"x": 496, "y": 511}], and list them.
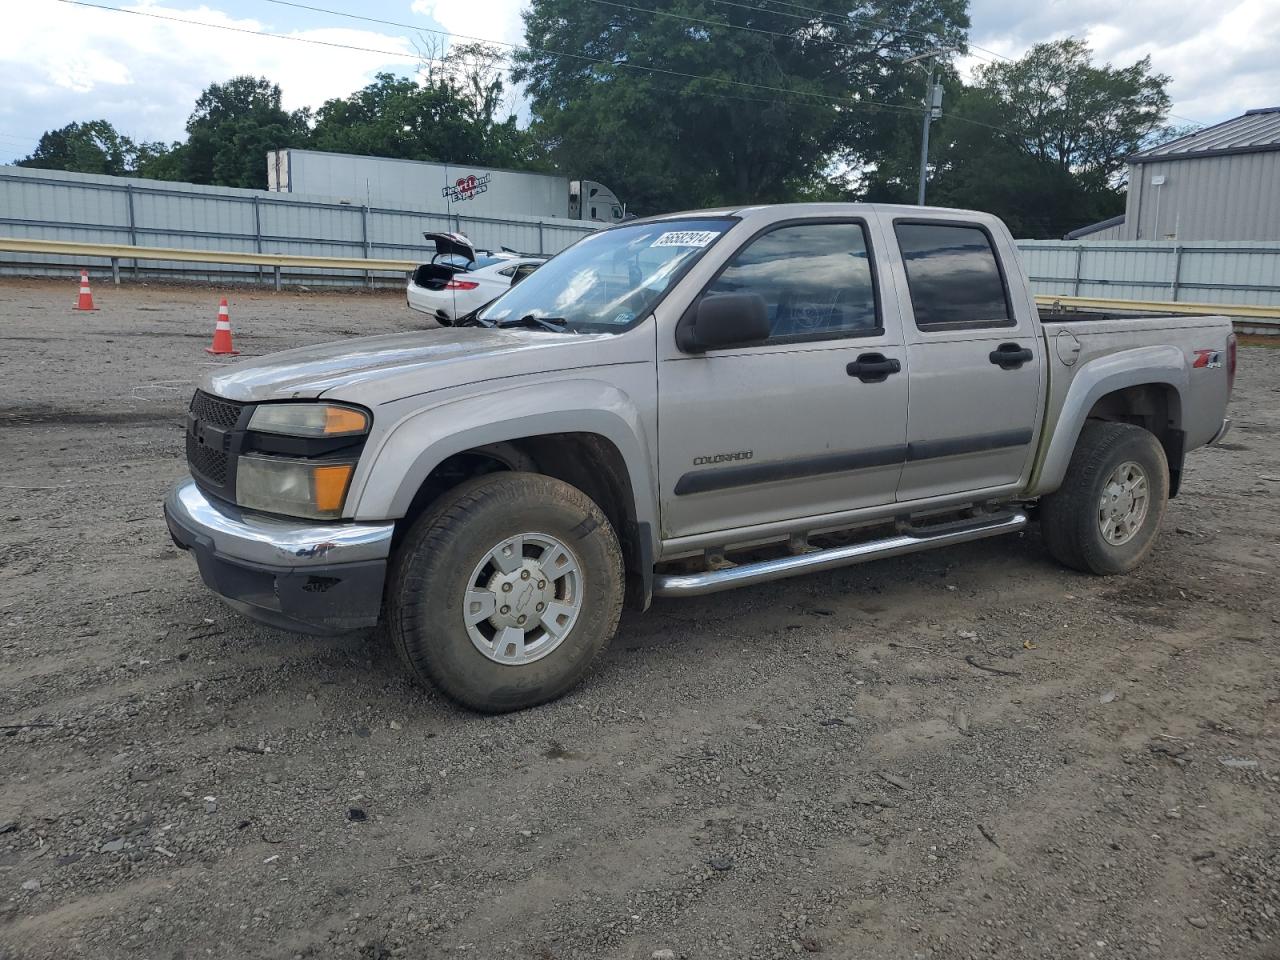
[
  {"x": 873, "y": 368},
  {"x": 1010, "y": 356}
]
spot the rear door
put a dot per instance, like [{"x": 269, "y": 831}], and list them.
[
  {"x": 974, "y": 360},
  {"x": 790, "y": 427}
]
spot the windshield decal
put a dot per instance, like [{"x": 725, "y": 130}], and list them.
[{"x": 685, "y": 238}]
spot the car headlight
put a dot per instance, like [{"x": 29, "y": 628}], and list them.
[
  {"x": 296, "y": 488},
  {"x": 299, "y": 458},
  {"x": 309, "y": 420}
]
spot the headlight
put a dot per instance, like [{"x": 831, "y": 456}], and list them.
[
  {"x": 309, "y": 420},
  {"x": 296, "y": 488}
]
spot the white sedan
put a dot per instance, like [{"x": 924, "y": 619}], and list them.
[{"x": 458, "y": 280}]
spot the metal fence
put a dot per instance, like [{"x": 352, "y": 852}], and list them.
[
  {"x": 52, "y": 205},
  {"x": 1245, "y": 273}
]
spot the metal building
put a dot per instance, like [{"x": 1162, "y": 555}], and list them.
[{"x": 1219, "y": 183}]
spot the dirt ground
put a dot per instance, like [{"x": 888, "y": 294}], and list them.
[{"x": 967, "y": 753}]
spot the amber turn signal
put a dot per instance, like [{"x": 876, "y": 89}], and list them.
[{"x": 330, "y": 485}]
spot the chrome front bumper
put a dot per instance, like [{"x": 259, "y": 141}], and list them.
[{"x": 308, "y": 576}]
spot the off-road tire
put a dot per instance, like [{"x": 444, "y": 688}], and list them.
[
  {"x": 1069, "y": 521},
  {"x": 429, "y": 578}
]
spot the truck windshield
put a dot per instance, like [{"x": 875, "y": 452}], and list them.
[{"x": 610, "y": 280}]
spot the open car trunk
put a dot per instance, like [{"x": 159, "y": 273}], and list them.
[{"x": 434, "y": 276}]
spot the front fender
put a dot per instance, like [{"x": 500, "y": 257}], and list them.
[
  {"x": 1095, "y": 379},
  {"x": 420, "y": 441}
]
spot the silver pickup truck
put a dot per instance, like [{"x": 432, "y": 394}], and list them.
[{"x": 681, "y": 405}]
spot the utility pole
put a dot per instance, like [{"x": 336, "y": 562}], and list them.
[{"x": 932, "y": 111}]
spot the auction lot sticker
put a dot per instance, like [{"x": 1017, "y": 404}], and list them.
[{"x": 685, "y": 238}]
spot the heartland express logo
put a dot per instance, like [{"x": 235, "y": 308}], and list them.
[
  {"x": 464, "y": 188},
  {"x": 723, "y": 458}
]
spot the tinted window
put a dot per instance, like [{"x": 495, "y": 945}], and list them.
[
  {"x": 815, "y": 279},
  {"x": 952, "y": 275},
  {"x": 523, "y": 271}
]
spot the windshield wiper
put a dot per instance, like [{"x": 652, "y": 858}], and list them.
[
  {"x": 529, "y": 320},
  {"x": 472, "y": 319}
]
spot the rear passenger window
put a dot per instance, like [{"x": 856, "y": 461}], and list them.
[
  {"x": 815, "y": 279},
  {"x": 953, "y": 277}
]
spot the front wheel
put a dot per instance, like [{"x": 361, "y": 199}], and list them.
[
  {"x": 1105, "y": 517},
  {"x": 503, "y": 593}
]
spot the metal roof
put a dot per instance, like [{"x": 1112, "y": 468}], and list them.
[
  {"x": 1255, "y": 131},
  {"x": 1094, "y": 228}
]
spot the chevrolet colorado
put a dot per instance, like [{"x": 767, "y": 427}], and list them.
[{"x": 676, "y": 406}]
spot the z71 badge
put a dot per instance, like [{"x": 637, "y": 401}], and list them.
[{"x": 1207, "y": 358}]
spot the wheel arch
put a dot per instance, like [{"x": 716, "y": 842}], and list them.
[
  {"x": 597, "y": 445},
  {"x": 1144, "y": 386}
]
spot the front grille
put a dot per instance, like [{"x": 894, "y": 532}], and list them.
[
  {"x": 209, "y": 463},
  {"x": 211, "y": 423},
  {"x": 215, "y": 410}
]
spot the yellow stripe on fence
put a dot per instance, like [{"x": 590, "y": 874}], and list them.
[
  {"x": 1163, "y": 306},
  {"x": 118, "y": 252}
]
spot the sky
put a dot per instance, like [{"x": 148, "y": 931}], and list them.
[{"x": 61, "y": 62}]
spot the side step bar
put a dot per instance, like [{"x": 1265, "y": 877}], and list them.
[{"x": 713, "y": 581}]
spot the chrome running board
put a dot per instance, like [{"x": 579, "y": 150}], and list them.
[{"x": 712, "y": 581}]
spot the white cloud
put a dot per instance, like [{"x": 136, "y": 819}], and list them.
[
  {"x": 488, "y": 19},
  {"x": 60, "y": 63}
]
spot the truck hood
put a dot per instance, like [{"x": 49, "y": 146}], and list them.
[{"x": 374, "y": 370}]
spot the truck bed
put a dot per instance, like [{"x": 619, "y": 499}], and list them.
[{"x": 1165, "y": 345}]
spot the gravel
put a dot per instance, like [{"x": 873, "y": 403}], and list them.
[{"x": 809, "y": 767}]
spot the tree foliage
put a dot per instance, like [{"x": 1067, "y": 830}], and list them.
[
  {"x": 1041, "y": 142},
  {"x": 231, "y": 129},
  {"x": 451, "y": 112},
  {"x": 665, "y": 103},
  {"x": 982, "y": 168},
  {"x": 1082, "y": 119},
  {"x": 91, "y": 147}
]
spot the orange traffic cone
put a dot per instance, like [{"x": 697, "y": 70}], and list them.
[
  {"x": 86, "y": 295},
  {"x": 222, "y": 332}
]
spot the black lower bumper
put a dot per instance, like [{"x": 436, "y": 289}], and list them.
[{"x": 317, "y": 599}]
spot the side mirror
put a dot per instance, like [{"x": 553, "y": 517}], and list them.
[{"x": 724, "y": 320}]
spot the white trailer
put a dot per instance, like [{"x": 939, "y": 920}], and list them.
[{"x": 439, "y": 187}]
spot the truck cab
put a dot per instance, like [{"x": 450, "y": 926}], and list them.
[{"x": 589, "y": 200}]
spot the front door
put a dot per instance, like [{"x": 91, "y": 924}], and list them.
[
  {"x": 810, "y": 421},
  {"x": 975, "y": 369}
]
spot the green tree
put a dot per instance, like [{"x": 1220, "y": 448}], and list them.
[
  {"x": 980, "y": 166},
  {"x": 159, "y": 161},
  {"x": 1083, "y": 119},
  {"x": 452, "y": 113},
  {"x": 231, "y": 130},
  {"x": 91, "y": 147},
  {"x": 663, "y": 101},
  {"x": 1042, "y": 142}
]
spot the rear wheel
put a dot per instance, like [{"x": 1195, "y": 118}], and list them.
[
  {"x": 504, "y": 592},
  {"x": 1105, "y": 517}
]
